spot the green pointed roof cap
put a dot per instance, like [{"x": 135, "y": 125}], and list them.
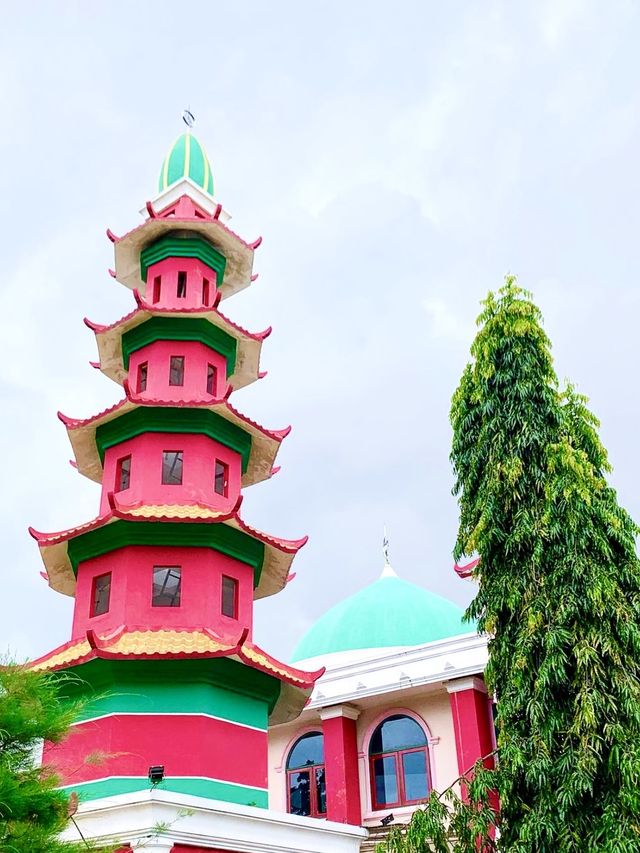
[
  {"x": 186, "y": 159},
  {"x": 388, "y": 613}
]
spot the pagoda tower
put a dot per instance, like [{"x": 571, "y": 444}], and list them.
[{"x": 165, "y": 576}]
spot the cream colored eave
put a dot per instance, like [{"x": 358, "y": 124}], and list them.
[
  {"x": 261, "y": 459},
  {"x": 110, "y": 350},
  {"x": 239, "y": 256}
]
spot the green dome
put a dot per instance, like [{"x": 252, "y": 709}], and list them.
[
  {"x": 390, "y": 612},
  {"x": 186, "y": 159}
]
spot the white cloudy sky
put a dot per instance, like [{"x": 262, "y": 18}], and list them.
[{"x": 398, "y": 159}]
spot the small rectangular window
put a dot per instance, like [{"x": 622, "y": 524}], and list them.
[
  {"x": 182, "y": 284},
  {"x": 221, "y": 485},
  {"x": 123, "y": 473},
  {"x": 156, "y": 290},
  {"x": 172, "y": 467},
  {"x": 100, "y": 594},
  {"x": 176, "y": 370},
  {"x": 143, "y": 372},
  {"x": 211, "y": 379},
  {"x": 229, "y": 597},
  {"x": 205, "y": 291},
  {"x": 166, "y": 586}
]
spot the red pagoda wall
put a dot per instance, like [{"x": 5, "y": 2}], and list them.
[
  {"x": 192, "y": 745},
  {"x": 197, "y": 358},
  {"x": 131, "y": 570},
  {"x": 200, "y": 454}
]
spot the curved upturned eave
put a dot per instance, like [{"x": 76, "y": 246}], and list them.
[
  {"x": 237, "y": 252},
  {"x": 278, "y": 553},
  {"x": 265, "y": 443},
  {"x": 469, "y": 571},
  {"x": 109, "y": 341},
  {"x": 139, "y": 644}
]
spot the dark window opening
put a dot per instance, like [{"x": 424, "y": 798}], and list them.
[
  {"x": 100, "y": 594},
  {"x": 123, "y": 473},
  {"x": 221, "y": 485},
  {"x": 176, "y": 370},
  {"x": 205, "y": 291},
  {"x": 156, "y": 289},
  {"x": 182, "y": 284},
  {"x": 172, "y": 467},
  {"x": 399, "y": 763},
  {"x": 166, "y": 586},
  {"x": 212, "y": 375},
  {"x": 229, "y": 597},
  {"x": 306, "y": 793},
  {"x": 143, "y": 372}
]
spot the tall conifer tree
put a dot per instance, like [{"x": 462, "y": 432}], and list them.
[{"x": 558, "y": 596}]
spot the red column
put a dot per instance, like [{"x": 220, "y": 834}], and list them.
[
  {"x": 472, "y": 721},
  {"x": 341, "y": 764}
]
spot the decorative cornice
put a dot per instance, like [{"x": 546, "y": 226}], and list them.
[
  {"x": 461, "y": 684},
  {"x": 333, "y": 711},
  {"x": 399, "y": 670}
]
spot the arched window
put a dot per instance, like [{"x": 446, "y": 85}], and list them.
[
  {"x": 305, "y": 776},
  {"x": 399, "y": 763}
]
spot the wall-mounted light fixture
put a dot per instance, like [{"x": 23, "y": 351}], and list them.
[{"x": 156, "y": 773}]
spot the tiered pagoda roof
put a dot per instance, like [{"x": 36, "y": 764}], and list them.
[
  {"x": 197, "y": 222},
  {"x": 126, "y": 643},
  {"x": 61, "y": 551},
  {"x": 109, "y": 338},
  {"x": 85, "y": 437}
]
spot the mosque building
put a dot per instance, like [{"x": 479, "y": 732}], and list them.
[
  {"x": 400, "y": 710},
  {"x": 192, "y": 738}
]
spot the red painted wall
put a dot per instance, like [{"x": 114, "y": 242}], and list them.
[
  {"x": 341, "y": 770},
  {"x": 472, "y": 725},
  {"x": 199, "y": 455},
  {"x": 131, "y": 585},
  {"x": 197, "y": 357},
  {"x": 186, "y": 745},
  {"x": 168, "y": 271}
]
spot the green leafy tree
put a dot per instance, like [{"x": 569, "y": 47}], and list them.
[
  {"x": 32, "y": 811},
  {"x": 558, "y": 595}
]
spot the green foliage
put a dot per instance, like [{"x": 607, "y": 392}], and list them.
[
  {"x": 32, "y": 811},
  {"x": 448, "y": 824},
  {"x": 559, "y": 595}
]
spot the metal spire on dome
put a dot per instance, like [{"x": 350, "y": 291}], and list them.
[{"x": 387, "y": 571}]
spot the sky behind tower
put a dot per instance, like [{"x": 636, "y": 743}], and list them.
[{"x": 398, "y": 160}]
